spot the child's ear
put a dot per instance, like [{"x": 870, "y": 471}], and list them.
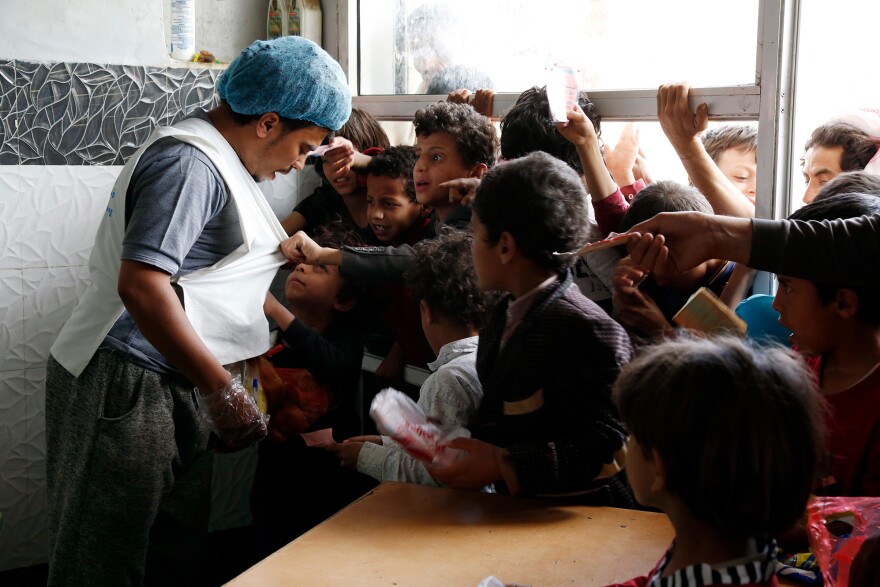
[
  {"x": 658, "y": 483},
  {"x": 506, "y": 247},
  {"x": 478, "y": 170},
  {"x": 425, "y": 309},
  {"x": 846, "y": 303},
  {"x": 344, "y": 306}
]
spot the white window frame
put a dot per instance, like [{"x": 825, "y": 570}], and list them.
[{"x": 769, "y": 100}]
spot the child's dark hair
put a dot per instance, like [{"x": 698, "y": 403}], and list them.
[
  {"x": 541, "y": 202},
  {"x": 363, "y": 131},
  {"x": 396, "y": 163},
  {"x": 730, "y": 136},
  {"x": 833, "y": 208},
  {"x": 528, "y": 127},
  {"x": 663, "y": 196},
  {"x": 738, "y": 427},
  {"x": 475, "y": 137},
  {"x": 851, "y": 182},
  {"x": 336, "y": 235},
  {"x": 443, "y": 275},
  {"x": 858, "y": 147}
]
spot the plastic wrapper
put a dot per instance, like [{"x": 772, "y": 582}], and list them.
[
  {"x": 234, "y": 415},
  {"x": 398, "y": 416},
  {"x": 838, "y": 528}
]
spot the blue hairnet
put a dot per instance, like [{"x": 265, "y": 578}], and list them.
[{"x": 291, "y": 76}]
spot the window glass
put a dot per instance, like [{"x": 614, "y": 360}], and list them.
[
  {"x": 424, "y": 46},
  {"x": 835, "y": 73}
]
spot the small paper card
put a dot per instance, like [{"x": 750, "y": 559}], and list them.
[
  {"x": 323, "y": 437},
  {"x": 704, "y": 312},
  {"x": 562, "y": 91}
]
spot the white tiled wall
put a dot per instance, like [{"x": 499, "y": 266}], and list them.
[{"x": 49, "y": 218}]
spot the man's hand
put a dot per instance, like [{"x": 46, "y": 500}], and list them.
[
  {"x": 234, "y": 415},
  {"x": 462, "y": 190},
  {"x": 300, "y": 248},
  {"x": 477, "y": 467},
  {"x": 681, "y": 126}
]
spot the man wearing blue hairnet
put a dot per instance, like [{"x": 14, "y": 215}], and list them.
[{"x": 142, "y": 374}]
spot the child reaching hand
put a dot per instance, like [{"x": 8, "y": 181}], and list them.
[
  {"x": 724, "y": 438},
  {"x": 443, "y": 281}
]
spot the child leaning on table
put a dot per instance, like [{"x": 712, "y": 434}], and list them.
[
  {"x": 724, "y": 438},
  {"x": 452, "y": 307},
  {"x": 548, "y": 355}
]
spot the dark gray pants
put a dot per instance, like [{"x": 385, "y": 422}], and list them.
[{"x": 128, "y": 473}]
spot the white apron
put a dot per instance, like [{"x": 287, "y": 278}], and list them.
[{"x": 224, "y": 302}]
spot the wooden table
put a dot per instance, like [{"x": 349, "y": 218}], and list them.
[{"x": 405, "y": 535}]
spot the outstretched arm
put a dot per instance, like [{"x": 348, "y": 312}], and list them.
[
  {"x": 683, "y": 127},
  {"x": 580, "y": 132}
]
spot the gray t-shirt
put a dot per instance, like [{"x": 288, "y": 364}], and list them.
[{"x": 179, "y": 218}]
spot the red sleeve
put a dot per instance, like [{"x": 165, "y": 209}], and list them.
[
  {"x": 630, "y": 191},
  {"x": 637, "y": 582},
  {"x": 609, "y": 212}
]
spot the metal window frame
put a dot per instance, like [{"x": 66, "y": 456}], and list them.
[{"x": 770, "y": 100}]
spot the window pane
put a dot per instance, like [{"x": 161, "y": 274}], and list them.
[
  {"x": 835, "y": 73},
  {"x": 422, "y": 46}
]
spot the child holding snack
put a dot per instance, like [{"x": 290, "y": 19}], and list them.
[
  {"x": 547, "y": 354},
  {"x": 452, "y": 307},
  {"x": 297, "y": 486},
  {"x": 724, "y": 438}
]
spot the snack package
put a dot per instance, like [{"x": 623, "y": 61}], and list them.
[
  {"x": 704, "y": 312},
  {"x": 838, "y": 527},
  {"x": 398, "y": 416}
]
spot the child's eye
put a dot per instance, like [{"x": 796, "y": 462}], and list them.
[
  {"x": 740, "y": 178},
  {"x": 436, "y": 157}
]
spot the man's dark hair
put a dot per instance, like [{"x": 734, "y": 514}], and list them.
[
  {"x": 475, "y": 138},
  {"x": 443, "y": 275},
  {"x": 851, "y": 182},
  {"x": 396, "y": 163},
  {"x": 858, "y": 147},
  {"x": 541, "y": 202},
  {"x": 528, "y": 127}
]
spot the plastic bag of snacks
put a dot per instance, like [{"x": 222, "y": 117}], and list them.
[
  {"x": 838, "y": 528},
  {"x": 398, "y": 416}
]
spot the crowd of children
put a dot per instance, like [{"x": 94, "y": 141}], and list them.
[{"x": 562, "y": 375}]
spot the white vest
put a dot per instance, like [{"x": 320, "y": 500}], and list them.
[{"x": 224, "y": 302}]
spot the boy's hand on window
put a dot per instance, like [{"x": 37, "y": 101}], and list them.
[
  {"x": 621, "y": 158},
  {"x": 462, "y": 190},
  {"x": 680, "y": 125},
  {"x": 478, "y": 466},
  {"x": 579, "y": 130},
  {"x": 483, "y": 101}
]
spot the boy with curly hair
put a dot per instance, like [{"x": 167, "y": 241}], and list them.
[{"x": 452, "y": 307}]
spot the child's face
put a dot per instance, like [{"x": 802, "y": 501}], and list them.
[
  {"x": 487, "y": 262},
  {"x": 741, "y": 168},
  {"x": 313, "y": 285},
  {"x": 821, "y": 165},
  {"x": 390, "y": 212},
  {"x": 344, "y": 183},
  {"x": 802, "y": 311},
  {"x": 439, "y": 161}
]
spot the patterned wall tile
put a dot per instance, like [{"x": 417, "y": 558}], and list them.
[
  {"x": 89, "y": 114},
  {"x": 35, "y": 414},
  {"x": 12, "y": 337},
  {"x": 24, "y": 539},
  {"x": 50, "y": 295},
  {"x": 11, "y": 221},
  {"x": 13, "y": 422},
  {"x": 62, "y": 207},
  {"x": 8, "y": 114}
]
